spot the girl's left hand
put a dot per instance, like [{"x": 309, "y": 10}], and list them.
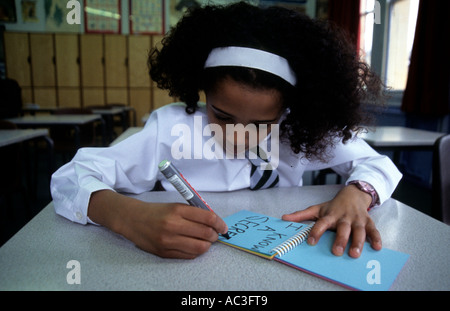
[{"x": 346, "y": 214}]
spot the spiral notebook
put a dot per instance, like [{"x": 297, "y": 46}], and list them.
[{"x": 282, "y": 241}]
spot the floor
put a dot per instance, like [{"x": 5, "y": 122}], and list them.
[{"x": 13, "y": 219}]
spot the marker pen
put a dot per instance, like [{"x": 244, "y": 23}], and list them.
[{"x": 183, "y": 187}]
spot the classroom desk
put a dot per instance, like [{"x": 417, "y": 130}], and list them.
[
  {"x": 33, "y": 110},
  {"x": 36, "y": 257},
  {"x": 14, "y": 136},
  {"x": 401, "y": 137},
  {"x": 122, "y": 111},
  {"x": 398, "y": 138},
  {"x": 48, "y": 120},
  {"x": 125, "y": 110},
  {"x": 133, "y": 111},
  {"x": 67, "y": 120},
  {"x": 108, "y": 114},
  {"x": 9, "y": 137},
  {"x": 395, "y": 139}
]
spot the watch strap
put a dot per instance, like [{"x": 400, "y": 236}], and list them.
[{"x": 369, "y": 189}]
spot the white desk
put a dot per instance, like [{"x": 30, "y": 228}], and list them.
[
  {"x": 117, "y": 110},
  {"x": 9, "y": 137},
  {"x": 36, "y": 257},
  {"x": 109, "y": 111},
  {"x": 398, "y": 139},
  {"x": 48, "y": 120},
  {"x": 14, "y": 136},
  {"x": 108, "y": 114},
  {"x": 53, "y": 120},
  {"x": 401, "y": 137}
]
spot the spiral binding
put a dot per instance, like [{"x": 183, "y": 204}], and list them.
[{"x": 292, "y": 242}]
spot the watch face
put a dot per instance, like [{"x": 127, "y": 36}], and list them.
[{"x": 365, "y": 186}]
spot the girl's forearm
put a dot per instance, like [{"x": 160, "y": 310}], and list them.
[{"x": 110, "y": 209}]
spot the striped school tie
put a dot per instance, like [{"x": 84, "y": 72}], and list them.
[{"x": 259, "y": 178}]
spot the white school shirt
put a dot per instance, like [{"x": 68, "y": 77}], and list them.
[{"x": 131, "y": 166}]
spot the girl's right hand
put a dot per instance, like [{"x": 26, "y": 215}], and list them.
[{"x": 171, "y": 230}]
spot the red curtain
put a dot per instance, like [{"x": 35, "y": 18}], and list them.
[
  {"x": 428, "y": 89},
  {"x": 346, "y": 14}
]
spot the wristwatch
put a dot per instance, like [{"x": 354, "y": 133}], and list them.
[{"x": 369, "y": 189}]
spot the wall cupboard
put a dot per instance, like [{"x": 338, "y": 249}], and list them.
[{"x": 81, "y": 70}]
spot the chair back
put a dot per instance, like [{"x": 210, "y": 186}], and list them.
[
  {"x": 11, "y": 99},
  {"x": 7, "y": 125},
  {"x": 441, "y": 179}
]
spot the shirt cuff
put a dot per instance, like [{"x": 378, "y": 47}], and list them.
[{"x": 90, "y": 186}]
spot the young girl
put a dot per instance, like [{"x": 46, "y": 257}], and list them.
[{"x": 256, "y": 66}]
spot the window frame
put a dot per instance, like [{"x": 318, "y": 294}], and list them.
[{"x": 380, "y": 45}]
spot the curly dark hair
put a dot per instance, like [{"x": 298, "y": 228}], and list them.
[{"x": 332, "y": 83}]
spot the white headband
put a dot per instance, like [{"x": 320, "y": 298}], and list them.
[{"x": 251, "y": 58}]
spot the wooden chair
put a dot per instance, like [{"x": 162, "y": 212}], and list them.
[{"x": 126, "y": 122}]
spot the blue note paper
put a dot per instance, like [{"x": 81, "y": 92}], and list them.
[
  {"x": 260, "y": 234},
  {"x": 257, "y": 233}
]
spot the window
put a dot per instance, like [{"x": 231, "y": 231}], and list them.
[
  {"x": 366, "y": 29},
  {"x": 387, "y": 30}
]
